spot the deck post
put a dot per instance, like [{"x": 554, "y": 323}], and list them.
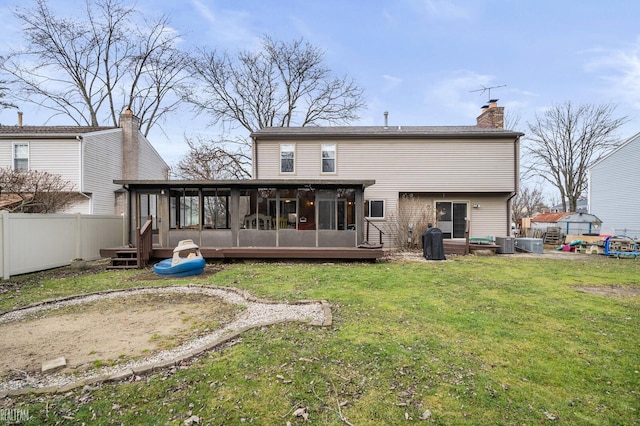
[
  {"x": 360, "y": 232},
  {"x": 234, "y": 211}
]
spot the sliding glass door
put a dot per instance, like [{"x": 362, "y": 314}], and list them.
[{"x": 451, "y": 218}]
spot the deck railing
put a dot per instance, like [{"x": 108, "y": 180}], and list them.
[
  {"x": 144, "y": 243},
  {"x": 380, "y": 232}
]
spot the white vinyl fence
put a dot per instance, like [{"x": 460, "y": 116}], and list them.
[{"x": 35, "y": 242}]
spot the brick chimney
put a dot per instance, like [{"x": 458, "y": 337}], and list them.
[
  {"x": 492, "y": 116},
  {"x": 130, "y": 125}
]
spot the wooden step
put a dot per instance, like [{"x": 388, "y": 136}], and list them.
[
  {"x": 124, "y": 259},
  {"x": 121, "y": 267}
]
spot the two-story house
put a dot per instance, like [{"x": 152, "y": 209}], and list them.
[
  {"x": 461, "y": 172},
  {"x": 90, "y": 158},
  {"x": 319, "y": 187}
]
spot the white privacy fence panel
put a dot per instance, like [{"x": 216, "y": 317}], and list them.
[{"x": 34, "y": 242}]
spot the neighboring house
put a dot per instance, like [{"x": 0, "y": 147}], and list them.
[
  {"x": 462, "y": 172},
  {"x": 613, "y": 189},
  {"x": 91, "y": 158},
  {"x": 582, "y": 206}
]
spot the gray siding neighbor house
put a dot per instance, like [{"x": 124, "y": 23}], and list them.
[
  {"x": 91, "y": 158},
  {"x": 614, "y": 194},
  {"x": 464, "y": 173}
]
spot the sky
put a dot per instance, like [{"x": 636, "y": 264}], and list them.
[{"x": 426, "y": 62}]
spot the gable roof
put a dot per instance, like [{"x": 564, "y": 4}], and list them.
[
  {"x": 629, "y": 141},
  {"x": 382, "y": 132},
  {"x": 43, "y": 131},
  {"x": 549, "y": 217}
]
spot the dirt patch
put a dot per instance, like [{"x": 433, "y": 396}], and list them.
[
  {"x": 610, "y": 291},
  {"x": 105, "y": 332}
]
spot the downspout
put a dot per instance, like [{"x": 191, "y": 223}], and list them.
[
  {"x": 80, "y": 140},
  {"x": 516, "y": 182},
  {"x": 254, "y": 155}
]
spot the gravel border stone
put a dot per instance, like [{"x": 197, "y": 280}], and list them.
[{"x": 258, "y": 313}]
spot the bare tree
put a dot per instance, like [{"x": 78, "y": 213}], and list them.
[
  {"x": 205, "y": 161},
  {"x": 512, "y": 120},
  {"x": 92, "y": 70},
  {"x": 566, "y": 140},
  {"x": 35, "y": 191},
  {"x": 526, "y": 203},
  {"x": 410, "y": 220},
  {"x": 280, "y": 85}
]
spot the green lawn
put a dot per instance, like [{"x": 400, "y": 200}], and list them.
[{"x": 473, "y": 340}]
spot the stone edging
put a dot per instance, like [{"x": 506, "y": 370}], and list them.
[{"x": 156, "y": 366}]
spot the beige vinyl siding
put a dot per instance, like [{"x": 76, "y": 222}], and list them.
[
  {"x": 490, "y": 218},
  {"x": 82, "y": 207},
  {"x": 61, "y": 157},
  {"x": 448, "y": 165},
  {"x": 102, "y": 164},
  {"x": 151, "y": 165},
  {"x": 6, "y": 155},
  {"x": 478, "y": 171}
]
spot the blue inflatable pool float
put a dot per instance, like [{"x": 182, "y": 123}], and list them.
[{"x": 186, "y": 261}]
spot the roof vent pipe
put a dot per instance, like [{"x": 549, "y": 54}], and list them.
[
  {"x": 20, "y": 118},
  {"x": 386, "y": 119}
]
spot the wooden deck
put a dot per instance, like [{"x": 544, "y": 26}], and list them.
[{"x": 231, "y": 253}]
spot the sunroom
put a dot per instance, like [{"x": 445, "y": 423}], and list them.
[{"x": 249, "y": 213}]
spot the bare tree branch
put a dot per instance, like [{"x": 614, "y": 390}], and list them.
[
  {"x": 90, "y": 71},
  {"x": 527, "y": 203},
  {"x": 35, "y": 191},
  {"x": 565, "y": 141},
  {"x": 3, "y": 92},
  {"x": 208, "y": 161},
  {"x": 281, "y": 85}
]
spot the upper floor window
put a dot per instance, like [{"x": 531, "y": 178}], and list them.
[
  {"x": 21, "y": 157},
  {"x": 328, "y": 158},
  {"x": 287, "y": 157}
]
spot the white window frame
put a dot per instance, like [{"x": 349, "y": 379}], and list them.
[
  {"x": 368, "y": 209},
  {"x": 14, "y": 157},
  {"x": 288, "y": 148},
  {"x": 330, "y": 148}
]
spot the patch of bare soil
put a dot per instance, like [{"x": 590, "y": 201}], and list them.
[
  {"x": 610, "y": 291},
  {"x": 104, "y": 332}
]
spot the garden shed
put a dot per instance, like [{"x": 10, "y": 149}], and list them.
[
  {"x": 579, "y": 224},
  {"x": 541, "y": 222},
  {"x": 554, "y": 226}
]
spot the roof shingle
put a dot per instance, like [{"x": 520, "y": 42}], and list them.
[{"x": 51, "y": 130}]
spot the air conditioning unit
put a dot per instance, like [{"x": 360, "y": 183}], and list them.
[
  {"x": 506, "y": 245},
  {"x": 530, "y": 245}
]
